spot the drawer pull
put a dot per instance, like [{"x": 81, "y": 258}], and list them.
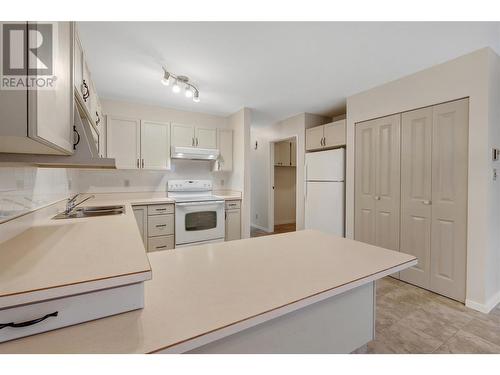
[
  {"x": 161, "y": 247},
  {"x": 160, "y": 209},
  {"x": 161, "y": 225},
  {"x": 29, "y": 322}
]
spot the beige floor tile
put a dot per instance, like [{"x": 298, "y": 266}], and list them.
[
  {"x": 467, "y": 343},
  {"x": 434, "y": 325},
  {"x": 488, "y": 330},
  {"x": 400, "y": 338},
  {"x": 386, "y": 285},
  {"x": 384, "y": 319},
  {"x": 449, "y": 310}
]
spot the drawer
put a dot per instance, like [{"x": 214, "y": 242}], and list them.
[
  {"x": 161, "y": 243},
  {"x": 231, "y": 205},
  {"x": 160, "y": 225},
  {"x": 161, "y": 209},
  {"x": 62, "y": 312}
]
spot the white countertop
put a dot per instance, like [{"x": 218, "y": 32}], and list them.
[{"x": 197, "y": 291}]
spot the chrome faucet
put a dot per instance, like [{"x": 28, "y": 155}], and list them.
[{"x": 70, "y": 204}]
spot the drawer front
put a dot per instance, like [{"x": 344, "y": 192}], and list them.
[
  {"x": 63, "y": 312},
  {"x": 161, "y": 243},
  {"x": 231, "y": 205},
  {"x": 160, "y": 225},
  {"x": 161, "y": 209}
]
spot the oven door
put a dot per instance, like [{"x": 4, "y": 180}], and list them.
[{"x": 199, "y": 221}]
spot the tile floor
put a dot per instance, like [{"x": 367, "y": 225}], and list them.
[
  {"x": 283, "y": 228},
  {"x": 413, "y": 320}
]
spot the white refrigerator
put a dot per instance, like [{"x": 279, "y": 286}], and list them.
[{"x": 325, "y": 191}]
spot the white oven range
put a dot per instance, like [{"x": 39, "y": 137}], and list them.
[{"x": 199, "y": 215}]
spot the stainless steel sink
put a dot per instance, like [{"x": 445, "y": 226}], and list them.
[{"x": 91, "y": 211}]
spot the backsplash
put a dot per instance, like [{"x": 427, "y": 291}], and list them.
[
  {"x": 24, "y": 189},
  {"x": 115, "y": 181}
]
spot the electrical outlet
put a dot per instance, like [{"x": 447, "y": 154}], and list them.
[
  {"x": 126, "y": 183},
  {"x": 495, "y": 174}
]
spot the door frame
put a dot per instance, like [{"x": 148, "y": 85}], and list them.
[{"x": 270, "y": 208}]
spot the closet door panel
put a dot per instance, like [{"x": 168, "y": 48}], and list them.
[
  {"x": 449, "y": 198},
  {"x": 364, "y": 218},
  {"x": 416, "y": 146},
  {"x": 387, "y": 182}
]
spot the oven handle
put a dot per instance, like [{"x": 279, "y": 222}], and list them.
[{"x": 209, "y": 203}]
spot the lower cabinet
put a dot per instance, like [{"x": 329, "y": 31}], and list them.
[
  {"x": 233, "y": 220},
  {"x": 157, "y": 226}
]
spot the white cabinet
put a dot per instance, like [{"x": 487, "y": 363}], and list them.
[
  {"x": 193, "y": 136},
  {"x": 40, "y": 121},
  {"x": 182, "y": 135},
  {"x": 205, "y": 138},
  {"x": 138, "y": 144},
  {"x": 123, "y": 142},
  {"x": 326, "y": 136},
  {"x": 155, "y": 145},
  {"x": 225, "y": 141},
  {"x": 285, "y": 154},
  {"x": 141, "y": 216},
  {"x": 233, "y": 221}
]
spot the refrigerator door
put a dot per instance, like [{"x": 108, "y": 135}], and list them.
[
  {"x": 325, "y": 207},
  {"x": 325, "y": 165}
]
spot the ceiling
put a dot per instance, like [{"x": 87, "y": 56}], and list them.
[{"x": 276, "y": 68}]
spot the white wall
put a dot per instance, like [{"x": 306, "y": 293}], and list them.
[
  {"x": 262, "y": 203},
  {"x": 476, "y": 76},
  {"x": 240, "y": 178}
]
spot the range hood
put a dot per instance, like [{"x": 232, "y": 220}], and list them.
[
  {"x": 86, "y": 154},
  {"x": 194, "y": 153}
]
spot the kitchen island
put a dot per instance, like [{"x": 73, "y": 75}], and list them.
[{"x": 301, "y": 292}]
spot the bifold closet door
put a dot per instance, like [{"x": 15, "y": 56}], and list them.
[
  {"x": 377, "y": 182},
  {"x": 449, "y": 198},
  {"x": 416, "y": 162}
]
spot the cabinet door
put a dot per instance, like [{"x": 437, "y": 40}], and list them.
[
  {"x": 387, "y": 182},
  {"x": 50, "y": 112},
  {"x": 416, "y": 144},
  {"x": 364, "y": 183},
  {"x": 314, "y": 138},
  {"x": 78, "y": 66},
  {"x": 182, "y": 135},
  {"x": 123, "y": 142},
  {"x": 335, "y": 134},
  {"x": 293, "y": 154},
  {"x": 87, "y": 86},
  {"x": 225, "y": 142},
  {"x": 233, "y": 225},
  {"x": 155, "y": 144},
  {"x": 449, "y": 198},
  {"x": 140, "y": 213},
  {"x": 206, "y": 138}
]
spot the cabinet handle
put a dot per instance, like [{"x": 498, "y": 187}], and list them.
[
  {"x": 192, "y": 141},
  {"x": 161, "y": 247},
  {"x": 161, "y": 225},
  {"x": 77, "y": 137},
  {"x": 142, "y": 163},
  {"x": 137, "y": 163},
  {"x": 426, "y": 202},
  {"x": 29, "y": 322},
  {"x": 98, "y": 118},
  {"x": 160, "y": 209},
  {"x": 377, "y": 198},
  {"x": 196, "y": 141},
  {"x": 86, "y": 91}
]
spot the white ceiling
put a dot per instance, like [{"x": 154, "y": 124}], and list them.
[{"x": 277, "y": 68}]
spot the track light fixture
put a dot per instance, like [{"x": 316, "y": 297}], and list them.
[{"x": 190, "y": 90}]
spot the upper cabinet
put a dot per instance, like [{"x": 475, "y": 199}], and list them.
[
  {"x": 326, "y": 136},
  {"x": 38, "y": 120},
  {"x": 137, "y": 144},
  {"x": 285, "y": 154},
  {"x": 193, "y": 136}
]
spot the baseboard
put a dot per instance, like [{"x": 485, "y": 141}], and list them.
[
  {"x": 484, "y": 307},
  {"x": 259, "y": 227}
]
